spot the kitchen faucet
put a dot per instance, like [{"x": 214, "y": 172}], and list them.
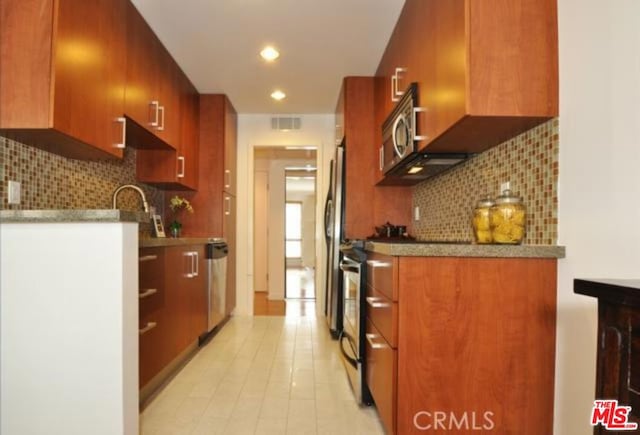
[{"x": 145, "y": 204}]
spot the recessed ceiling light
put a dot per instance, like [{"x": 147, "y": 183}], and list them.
[
  {"x": 269, "y": 53},
  {"x": 278, "y": 95}
]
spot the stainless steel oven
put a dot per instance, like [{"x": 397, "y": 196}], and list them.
[{"x": 352, "y": 338}]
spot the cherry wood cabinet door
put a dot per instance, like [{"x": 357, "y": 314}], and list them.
[
  {"x": 229, "y": 233},
  {"x": 170, "y": 101},
  {"x": 381, "y": 375},
  {"x": 90, "y": 71},
  {"x": 477, "y": 334},
  {"x": 198, "y": 302},
  {"x": 230, "y": 147},
  {"x": 189, "y": 135},
  {"x": 143, "y": 81}
]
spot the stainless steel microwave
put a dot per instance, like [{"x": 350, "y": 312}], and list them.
[{"x": 399, "y": 156}]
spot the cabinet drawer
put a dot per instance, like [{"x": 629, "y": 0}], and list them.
[
  {"x": 382, "y": 375},
  {"x": 152, "y": 346},
  {"x": 150, "y": 280},
  {"x": 383, "y": 313},
  {"x": 382, "y": 274}
]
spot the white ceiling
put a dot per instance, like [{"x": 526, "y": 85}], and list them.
[{"x": 217, "y": 44}]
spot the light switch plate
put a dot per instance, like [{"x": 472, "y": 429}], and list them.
[
  {"x": 416, "y": 213},
  {"x": 13, "y": 192},
  {"x": 505, "y": 186}
]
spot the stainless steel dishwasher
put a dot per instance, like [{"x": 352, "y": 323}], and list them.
[{"x": 216, "y": 256}]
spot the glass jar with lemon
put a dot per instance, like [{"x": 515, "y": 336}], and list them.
[
  {"x": 481, "y": 221},
  {"x": 508, "y": 219}
]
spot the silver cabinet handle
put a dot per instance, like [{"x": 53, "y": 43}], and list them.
[
  {"x": 374, "y": 345},
  {"x": 397, "y": 92},
  {"x": 156, "y": 107},
  {"x": 148, "y": 258},
  {"x": 123, "y": 121},
  {"x": 394, "y": 86},
  {"x": 376, "y": 263},
  {"x": 196, "y": 261},
  {"x": 416, "y": 110},
  {"x": 375, "y": 304},
  {"x": 227, "y": 202},
  {"x": 149, "y": 327},
  {"x": 181, "y": 172},
  {"x": 381, "y": 157},
  {"x": 148, "y": 292},
  {"x": 161, "y": 122},
  {"x": 227, "y": 178},
  {"x": 190, "y": 274}
]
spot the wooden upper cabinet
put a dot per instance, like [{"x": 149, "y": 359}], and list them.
[
  {"x": 230, "y": 147},
  {"x": 175, "y": 169},
  {"x": 189, "y": 134},
  {"x": 170, "y": 92},
  {"x": 153, "y": 92},
  {"x": 366, "y": 204},
  {"x": 217, "y": 130},
  {"x": 83, "y": 46},
  {"x": 143, "y": 75},
  {"x": 486, "y": 70}
]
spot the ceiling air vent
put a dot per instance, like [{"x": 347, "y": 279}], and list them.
[{"x": 285, "y": 123}]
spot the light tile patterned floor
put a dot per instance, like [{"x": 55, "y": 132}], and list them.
[{"x": 262, "y": 375}]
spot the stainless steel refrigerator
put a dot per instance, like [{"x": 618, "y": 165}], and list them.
[{"x": 334, "y": 234}]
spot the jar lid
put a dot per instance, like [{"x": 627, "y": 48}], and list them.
[
  {"x": 486, "y": 201},
  {"x": 508, "y": 197}
]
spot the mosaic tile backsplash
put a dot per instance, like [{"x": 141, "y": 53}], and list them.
[
  {"x": 528, "y": 161},
  {"x": 49, "y": 181}
]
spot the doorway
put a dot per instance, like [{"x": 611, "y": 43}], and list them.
[
  {"x": 284, "y": 231},
  {"x": 300, "y": 223}
]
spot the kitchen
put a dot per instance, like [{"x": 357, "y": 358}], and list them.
[{"x": 599, "y": 109}]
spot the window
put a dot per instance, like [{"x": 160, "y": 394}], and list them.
[{"x": 293, "y": 230}]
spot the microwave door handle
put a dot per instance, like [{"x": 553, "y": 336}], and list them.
[
  {"x": 414, "y": 125},
  {"x": 381, "y": 157}
]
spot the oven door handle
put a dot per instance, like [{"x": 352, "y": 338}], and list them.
[
  {"x": 351, "y": 360},
  {"x": 349, "y": 266}
]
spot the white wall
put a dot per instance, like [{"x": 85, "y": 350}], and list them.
[
  {"x": 599, "y": 186},
  {"x": 253, "y": 131}
]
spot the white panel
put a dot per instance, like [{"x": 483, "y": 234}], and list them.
[{"x": 69, "y": 329}]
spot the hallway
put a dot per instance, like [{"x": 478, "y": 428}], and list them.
[{"x": 262, "y": 375}]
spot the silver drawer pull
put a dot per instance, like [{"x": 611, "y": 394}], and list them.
[
  {"x": 148, "y": 292},
  {"x": 374, "y": 345},
  {"x": 149, "y": 327},
  {"x": 375, "y": 304},
  {"x": 147, "y": 258},
  {"x": 376, "y": 263}
]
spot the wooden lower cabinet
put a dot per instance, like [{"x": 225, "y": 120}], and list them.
[
  {"x": 475, "y": 346},
  {"x": 152, "y": 354},
  {"x": 174, "y": 315},
  {"x": 382, "y": 375}
]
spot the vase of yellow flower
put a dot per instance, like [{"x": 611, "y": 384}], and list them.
[{"x": 177, "y": 205}]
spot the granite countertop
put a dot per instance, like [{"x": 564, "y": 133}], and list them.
[
  {"x": 435, "y": 249},
  {"x": 73, "y": 216},
  {"x": 170, "y": 241}
]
